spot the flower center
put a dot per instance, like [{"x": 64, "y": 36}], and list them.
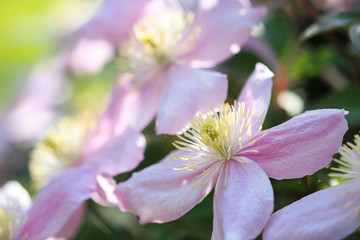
[
  {"x": 10, "y": 219},
  {"x": 156, "y": 41},
  {"x": 217, "y": 137},
  {"x": 59, "y": 150}
]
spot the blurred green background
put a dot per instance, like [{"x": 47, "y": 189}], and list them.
[{"x": 312, "y": 71}]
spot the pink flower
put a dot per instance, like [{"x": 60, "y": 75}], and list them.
[
  {"x": 227, "y": 149},
  {"x": 328, "y": 214},
  {"x": 161, "y": 49},
  {"x": 73, "y": 165},
  {"x": 14, "y": 204}
]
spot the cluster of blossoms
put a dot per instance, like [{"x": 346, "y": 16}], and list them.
[{"x": 163, "y": 48}]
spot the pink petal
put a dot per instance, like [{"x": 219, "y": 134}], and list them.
[
  {"x": 89, "y": 56},
  {"x": 242, "y": 209},
  {"x": 190, "y": 90},
  {"x": 57, "y": 202},
  {"x": 159, "y": 193},
  {"x": 128, "y": 107},
  {"x": 215, "y": 43},
  {"x": 13, "y": 192},
  {"x": 72, "y": 225},
  {"x": 332, "y": 213},
  {"x": 104, "y": 193},
  {"x": 113, "y": 21},
  {"x": 302, "y": 145},
  {"x": 257, "y": 93},
  {"x": 122, "y": 153}
]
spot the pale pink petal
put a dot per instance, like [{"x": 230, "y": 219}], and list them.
[
  {"x": 242, "y": 208},
  {"x": 14, "y": 193},
  {"x": 190, "y": 90},
  {"x": 56, "y": 203},
  {"x": 161, "y": 194},
  {"x": 37, "y": 102},
  {"x": 329, "y": 214},
  {"x": 122, "y": 153},
  {"x": 72, "y": 225},
  {"x": 213, "y": 42},
  {"x": 113, "y": 21},
  {"x": 128, "y": 107},
  {"x": 256, "y": 94},
  {"x": 302, "y": 145},
  {"x": 156, "y": 7},
  {"x": 138, "y": 106},
  {"x": 89, "y": 56},
  {"x": 104, "y": 193}
]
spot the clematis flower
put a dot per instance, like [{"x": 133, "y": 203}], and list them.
[
  {"x": 69, "y": 168},
  {"x": 226, "y": 149},
  {"x": 162, "y": 52},
  {"x": 332, "y": 213},
  {"x": 14, "y": 204}
]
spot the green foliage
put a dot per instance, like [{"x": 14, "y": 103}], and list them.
[{"x": 328, "y": 23}]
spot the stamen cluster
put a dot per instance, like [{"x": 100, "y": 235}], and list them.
[
  {"x": 218, "y": 136},
  {"x": 349, "y": 161},
  {"x": 156, "y": 41},
  {"x": 59, "y": 149}
]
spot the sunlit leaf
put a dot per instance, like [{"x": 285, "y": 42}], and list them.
[{"x": 328, "y": 23}]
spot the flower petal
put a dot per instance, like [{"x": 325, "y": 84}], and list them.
[
  {"x": 257, "y": 93},
  {"x": 72, "y": 225},
  {"x": 104, "y": 193},
  {"x": 332, "y": 213},
  {"x": 242, "y": 208},
  {"x": 161, "y": 194},
  {"x": 105, "y": 24},
  {"x": 121, "y": 154},
  {"x": 189, "y": 91},
  {"x": 302, "y": 145},
  {"x": 128, "y": 107},
  {"x": 12, "y": 191},
  {"x": 213, "y": 42},
  {"x": 56, "y": 203}
]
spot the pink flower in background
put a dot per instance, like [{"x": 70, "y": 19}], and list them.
[
  {"x": 162, "y": 47},
  {"x": 37, "y": 103},
  {"x": 227, "y": 149},
  {"x": 328, "y": 214},
  {"x": 14, "y": 204},
  {"x": 70, "y": 169}
]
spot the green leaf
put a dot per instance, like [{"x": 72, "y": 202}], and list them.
[
  {"x": 331, "y": 22},
  {"x": 354, "y": 33}
]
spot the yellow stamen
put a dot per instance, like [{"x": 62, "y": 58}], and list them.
[
  {"x": 217, "y": 137},
  {"x": 10, "y": 219},
  {"x": 156, "y": 41},
  {"x": 349, "y": 161},
  {"x": 59, "y": 149}
]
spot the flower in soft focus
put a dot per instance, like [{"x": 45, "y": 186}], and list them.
[
  {"x": 332, "y": 213},
  {"x": 14, "y": 204},
  {"x": 36, "y": 96},
  {"x": 71, "y": 165},
  {"x": 162, "y": 50},
  {"x": 227, "y": 149}
]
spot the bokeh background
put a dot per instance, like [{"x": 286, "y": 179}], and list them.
[{"x": 311, "y": 46}]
